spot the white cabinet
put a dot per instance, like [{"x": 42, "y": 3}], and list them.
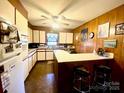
[
  {"x": 30, "y": 35},
  {"x": 49, "y": 55},
  {"x": 26, "y": 70},
  {"x": 21, "y": 23},
  {"x": 36, "y": 36},
  {"x": 62, "y": 37},
  {"x": 7, "y": 11},
  {"x": 42, "y": 37},
  {"x": 41, "y": 55},
  {"x": 30, "y": 62},
  {"x": 65, "y": 38},
  {"x": 34, "y": 59},
  {"x": 69, "y": 38}
]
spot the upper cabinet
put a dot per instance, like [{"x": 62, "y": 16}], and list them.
[
  {"x": 7, "y": 11},
  {"x": 69, "y": 38},
  {"x": 30, "y": 40},
  {"x": 21, "y": 23},
  {"x": 36, "y": 36},
  {"x": 65, "y": 38},
  {"x": 62, "y": 37},
  {"x": 42, "y": 37},
  {"x": 39, "y": 36}
]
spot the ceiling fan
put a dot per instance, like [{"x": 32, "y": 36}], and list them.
[{"x": 55, "y": 18}]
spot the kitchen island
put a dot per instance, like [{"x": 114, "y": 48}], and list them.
[{"x": 65, "y": 63}]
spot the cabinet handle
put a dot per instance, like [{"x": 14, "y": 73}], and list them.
[{"x": 12, "y": 66}]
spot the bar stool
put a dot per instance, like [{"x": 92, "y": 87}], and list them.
[
  {"x": 102, "y": 79},
  {"x": 81, "y": 80}
]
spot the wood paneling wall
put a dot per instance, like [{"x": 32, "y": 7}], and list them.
[{"x": 114, "y": 16}]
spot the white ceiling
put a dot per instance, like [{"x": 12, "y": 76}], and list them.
[{"x": 80, "y": 11}]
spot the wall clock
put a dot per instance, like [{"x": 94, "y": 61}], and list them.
[{"x": 91, "y": 35}]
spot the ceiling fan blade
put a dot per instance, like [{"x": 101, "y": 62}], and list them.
[
  {"x": 44, "y": 17},
  {"x": 65, "y": 24},
  {"x": 38, "y": 20},
  {"x": 32, "y": 4},
  {"x": 73, "y": 20},
  {"x": 71, "y": 3}
]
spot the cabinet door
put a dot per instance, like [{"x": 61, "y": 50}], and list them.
[
  {"x": 26, "y": 72},
  {"x": 42, "y": 37},
  {"x": 21, "y": 23},
  {"x": 69, "y": 38},
  {"x": 35, "y": 57},
  {"x": 36, "y": 36},
  {"x": 30, "y": 63},
  {"x": 41, "y": 55},
  {"x": 7, "y": 11},
  {"x": 30, "y": 35},
  {"x": 62, "y": 37},
  {"x": 49, "y": 55}
]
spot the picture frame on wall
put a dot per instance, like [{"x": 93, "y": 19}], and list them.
[
  {"x": 119, "y": 29},
  {"x": 103, "y": 30},
  {"x": 110, "y": 43},
  {"x": 84, "y": 35}
]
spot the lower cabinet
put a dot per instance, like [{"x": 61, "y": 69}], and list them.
[
  {"x": 34, "y": 59},
  {"x": 29, "y": 63},
  {"x": 41, "y": 55},
  {"x": 26, "y": 70},
  {"x": 49, "y": 55}
]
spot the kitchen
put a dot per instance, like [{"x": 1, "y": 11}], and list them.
[{"x": 61, "y": 46}]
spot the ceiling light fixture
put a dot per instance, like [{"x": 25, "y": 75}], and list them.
[{"x": 55, "y": 25}]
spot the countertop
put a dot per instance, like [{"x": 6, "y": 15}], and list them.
[
  {"x": 4, "y": 60},
  {"x": 64, "y": 56}
]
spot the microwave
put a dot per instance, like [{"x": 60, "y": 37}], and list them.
[{"x": 8, "y": 33}]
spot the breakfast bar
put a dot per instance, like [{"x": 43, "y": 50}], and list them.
[{"x": 66, "y": 62}]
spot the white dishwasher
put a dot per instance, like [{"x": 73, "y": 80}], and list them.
[{"x": 12, "y": 77}]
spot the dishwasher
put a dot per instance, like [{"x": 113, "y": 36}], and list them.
[{"x": 12, "y": 75}]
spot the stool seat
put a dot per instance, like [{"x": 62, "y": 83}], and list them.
[
  {"x": 104, "y": 69},
  {"x": 82, "y": 71}
]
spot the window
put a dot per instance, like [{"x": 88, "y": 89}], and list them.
[{"x": 52, "y": 39}]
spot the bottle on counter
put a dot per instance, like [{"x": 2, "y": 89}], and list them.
[{"x": 94, "y": 51}]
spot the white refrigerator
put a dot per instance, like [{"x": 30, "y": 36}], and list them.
[{"x": 15, "y": 71}]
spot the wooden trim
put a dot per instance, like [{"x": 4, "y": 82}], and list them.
[
  {"x": 17, "y": 4},
  {"x": 15, "y": 16}
]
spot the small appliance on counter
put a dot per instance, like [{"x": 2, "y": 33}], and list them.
[
  {"x": 101, "y": 52},
  {"x": 33, "y": 45}
]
